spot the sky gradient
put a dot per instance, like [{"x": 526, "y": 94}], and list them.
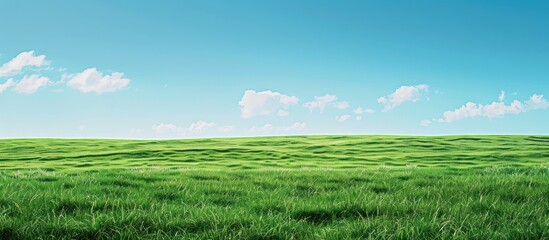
[{"x": 185, "y": 69}]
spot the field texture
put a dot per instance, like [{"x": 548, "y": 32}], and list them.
[{"x": 332, "y": 187}]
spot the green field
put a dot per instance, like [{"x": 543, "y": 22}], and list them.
[{"x": 314, "y": 187}]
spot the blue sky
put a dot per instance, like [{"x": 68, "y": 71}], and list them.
[{"x": 184, "y": 69}]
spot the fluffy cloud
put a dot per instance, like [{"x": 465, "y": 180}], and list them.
[
  {"x": 425, "y": 123},
  {"x": 265, "y": 103},
  {"x": 135, "y": 131},
  {"x": 9, "y": 83},
  {"x": 200, "y": 126},
  {"x": 501, "y": 96},
  {"x": 298, "y": 126},
  {"x": 537, "y": 102},
  {"x": 225, "y": 129},
  {"x": 30, "y": 84},
  {"x": 360, "y": 111},
  {"x": 269, "y": 128},
  {"x": 91, "y": 80},
  {"x": 194, "y": 128},
  {"x": 24, "y": 59},
  {"x": 494, "y": 109},
  {"x": 472, "y": 110},
  {"x": 282, "y": 113},
  {"x": 401, "y": 95},
  {"x": 164, "y": 128},
  {"x": 320, "y": 102},
  {"x": 343, "y": 118},
  {"x": 342, "y": 105}
]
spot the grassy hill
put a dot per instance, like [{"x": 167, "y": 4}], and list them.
[
  {"x": 315, "y": 187},
  {"x": 337, "y": 152}
]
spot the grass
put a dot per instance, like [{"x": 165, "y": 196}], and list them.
[{"x": 325, "y": 187}]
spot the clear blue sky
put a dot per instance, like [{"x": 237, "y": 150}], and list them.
[{"x": 180, "y": 69}]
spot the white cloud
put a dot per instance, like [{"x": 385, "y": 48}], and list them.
[
  {"x": 342, "y": 105},
  {"x": 135, "y": 131},
  {"x": 31, "y": 84},
  {"x": 320, "y": 102},
  {"x": 265, "y": 128},
  {"x": 24, "y": 59},
  {"x": 82, "y": 127},
  {"x": 358, "y": 118},
  {"x": 501, "y": 96},
  {"x": 537, "y": 102},
  {"x": 425, "y": 123},
  {"x": 298, "y": 126},
  {"x": 200, "y": 126},
  {"x": 9, "y": 83},
  {"x": 360, "y": 111},
  {"x": 401, "y": 95},
  {"x": 165, "y": 128},
  {"x": 282, "y": 113},
  {"x": 269, "y": 128},
  {"x": 343, "y": 118},
  {"x": 225, "y": 129},
  {"x": 494, "y": 109},
  {"x": 91, "y": 80},
  {"x": 265, "y": 103},
  {"x": 194, "y": 128}
]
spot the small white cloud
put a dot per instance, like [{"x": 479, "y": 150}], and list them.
[
  {"x": 194, "y": 128},
  {"x": 265, "y": 128},
  {"x": 225, "y": 129},
  {"x": 298, "y": 126},
  {"x": 91, "y": 80},
  {"x": 425, "y": 123},
  {"x": 200, "y": 126},
  {"x": 494, "y": 109},
  {"x": 282, "y": 113},
  {"x": 342, "y": 105},
  {"x": 167, "y": 128},
  {"x": 265, "y": 103},
  {"x": 320, "y": 102},
  {"x": 537, "y": 102},
  {"x": 501, "y": 96},
  {"x": 358, "y": 118},
  {"x": 31, "y": 84},
  {"x": 360, "y": 111},
  {"x": 9, "y": 83},
  {"x": 82, "y": 127},
  {"x": 21, "y": 61},
  {"x": 401, "y": 95},
  {"x": 135, "y": 131},
  {"x": 269, "y": 128},
  {"x": 343, "y": 118}
]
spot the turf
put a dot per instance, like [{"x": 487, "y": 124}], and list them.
[{"x": 315, "y": 187}]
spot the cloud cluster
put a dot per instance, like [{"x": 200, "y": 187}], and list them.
[
  {"x": 343, "y": 118},
  {"x": 270, "y": 128},
  {"x": 90, "y": 80},
  {"x": 193, "y": 128},
  {"x": 321, "y": 102},
  {"x": 494, "y": 109},
  {"x": 265, "y": 103},
  {"x": 31, "y": 84},
  {"x": 401, "y": 95},
  {"x": 9, "y": 83},
  {"x": 21, "y": 61}
]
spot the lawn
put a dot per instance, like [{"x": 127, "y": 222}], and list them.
[{"x": 314, "y": 187}]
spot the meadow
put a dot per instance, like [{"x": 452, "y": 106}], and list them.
[{"x": 301, "y": 187}]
